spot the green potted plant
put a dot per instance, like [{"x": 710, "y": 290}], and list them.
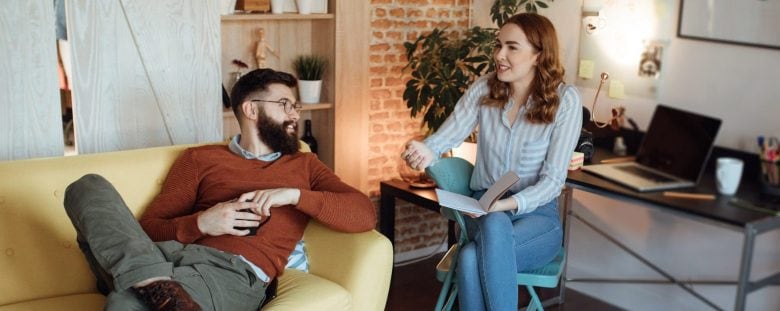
[
  {"x": 310, "y": 69},
  {"x": 443, "y": 64}
]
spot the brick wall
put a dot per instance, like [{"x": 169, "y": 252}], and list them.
[{"x": 392, "y": 23}]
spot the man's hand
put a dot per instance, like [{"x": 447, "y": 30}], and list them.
[
  {"x": 417, "y": 155},
  {"x": 264, "y": 200},
  {"x": 221, "y": 219}
]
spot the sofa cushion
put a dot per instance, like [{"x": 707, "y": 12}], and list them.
[
  {"x": 303, "y": 291},
  {"x": 63, "y": 303}
]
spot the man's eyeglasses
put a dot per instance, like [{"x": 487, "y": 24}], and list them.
[{"x": 287, "y": 104}]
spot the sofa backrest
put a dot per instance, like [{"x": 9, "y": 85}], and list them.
[{"x": 39, "y": 256}]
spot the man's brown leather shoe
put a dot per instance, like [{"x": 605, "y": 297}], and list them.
[{"x": 167, "y": 295}]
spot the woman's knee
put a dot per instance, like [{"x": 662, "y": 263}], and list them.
[
  {"x": 467, "y": 257},
  {"x": 495, "y": 224}
]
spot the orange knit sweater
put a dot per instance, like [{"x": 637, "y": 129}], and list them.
[{"x": 204, "y": 176}]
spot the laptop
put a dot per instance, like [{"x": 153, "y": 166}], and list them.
[{"x": 672, "y": 155}]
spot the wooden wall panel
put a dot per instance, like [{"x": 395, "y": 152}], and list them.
[
  {"x": 352, "y": 99},
  {"x": 144, "y": 75},
  {"x": 30, "y": 115}
]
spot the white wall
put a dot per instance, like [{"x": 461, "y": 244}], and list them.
[
  {"x": 30, "y": 121},
  {"x": 738, "y": 84}
]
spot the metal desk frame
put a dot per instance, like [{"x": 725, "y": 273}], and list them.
[{"x": 760, "y": 223}]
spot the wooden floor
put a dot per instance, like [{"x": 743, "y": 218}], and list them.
[{"x": 414, "y": 287}]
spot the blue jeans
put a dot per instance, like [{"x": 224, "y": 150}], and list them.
[{"x": 501, "y": 245}]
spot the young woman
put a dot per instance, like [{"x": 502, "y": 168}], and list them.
[{"x": 529, "y": 121}]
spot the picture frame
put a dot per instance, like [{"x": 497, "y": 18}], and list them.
[{"x": 746, "y": 22}]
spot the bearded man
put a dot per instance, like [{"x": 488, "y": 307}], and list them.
[{"x": 227, "y": 216}]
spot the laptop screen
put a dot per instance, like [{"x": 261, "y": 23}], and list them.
[{"x": 678, "y": 142}]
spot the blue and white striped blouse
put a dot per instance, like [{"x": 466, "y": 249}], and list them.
[{"x": 538, "y": 153}]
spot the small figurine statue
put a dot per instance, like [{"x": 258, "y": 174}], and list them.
[{"x": 262, "y": 47}]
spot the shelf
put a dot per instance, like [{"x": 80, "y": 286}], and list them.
[
  {"x": 306, "y": 107},
  {"x": 274, "y": 17}
]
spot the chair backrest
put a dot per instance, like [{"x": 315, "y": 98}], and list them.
[{"x": 452, "y": 174}]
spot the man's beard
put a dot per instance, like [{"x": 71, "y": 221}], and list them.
[{"x": 275, "y": 134}]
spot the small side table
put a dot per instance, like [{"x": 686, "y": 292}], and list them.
[{"x": 398, "y": 189}]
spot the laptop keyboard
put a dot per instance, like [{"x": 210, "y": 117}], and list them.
[{"x": 638, "y": 171}]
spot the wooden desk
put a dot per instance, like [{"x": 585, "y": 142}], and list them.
[
  {"x": 398, "y": 189},
  {"x": 719, "y": 212}
]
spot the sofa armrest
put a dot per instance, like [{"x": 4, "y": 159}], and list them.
[{"x": 362, "y": 263}]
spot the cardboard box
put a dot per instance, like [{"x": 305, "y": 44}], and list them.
[{"x": 254, "y": 5}]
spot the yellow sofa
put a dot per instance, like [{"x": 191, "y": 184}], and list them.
[{"x": 42, "y": 268}]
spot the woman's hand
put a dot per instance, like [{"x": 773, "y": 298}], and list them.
[
  {"x": 266, "y": 199},
  {"x": 417, "y": 155},
  {"x": 507, "y": 204}
]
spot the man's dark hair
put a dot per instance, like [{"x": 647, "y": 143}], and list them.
[{"x": 255, "y": 81}]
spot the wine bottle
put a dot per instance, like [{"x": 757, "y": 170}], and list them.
[{"x": 308, "y": 138}]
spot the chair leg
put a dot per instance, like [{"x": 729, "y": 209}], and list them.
[
  {"x": 448, "y": 291},
  {"x": 535, "y": 303},
  {"x": 451, "y": 299}
]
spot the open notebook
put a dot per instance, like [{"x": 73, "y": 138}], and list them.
[{"x": 673, "y": 153}]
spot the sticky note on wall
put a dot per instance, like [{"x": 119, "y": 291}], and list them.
[
  {"x": 616, "y": 89},
  {"x": 586, "y": 69}
]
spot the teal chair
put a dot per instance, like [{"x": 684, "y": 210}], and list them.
[{"x": 454, "y": 174}]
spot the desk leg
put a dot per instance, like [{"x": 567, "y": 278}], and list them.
[
  {"x": 744, "y": 267},
  {"x": 451, "y": 240},
  {"x": 567, "y": 201},
  {"x": 387, "y": 217}
]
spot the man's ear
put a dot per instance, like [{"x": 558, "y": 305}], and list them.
[{"x": 249, "y": 110}]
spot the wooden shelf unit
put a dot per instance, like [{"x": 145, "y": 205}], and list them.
[
  {"x": 340, "y": 122},
  {"x": 287, "y": 35},
  {"x": 269, "y": 16}
]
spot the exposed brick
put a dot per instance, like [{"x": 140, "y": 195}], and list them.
[
  {"x": 394, "y": 22},
  {"x": 377, "y": 70},
  {"x": 393, "y": 81},
  {"x": 397, "y": 12},
  {"x": 378, "y": 116},
  {"x": 377, "y": 161},
  {"x": 381, "y": 24},
  {"x": 395, "y": 126},
  {"x": 442, "y": 24},
  {"x": 375, "y": 94},
  {"x": 391, "y": 58},
  {"x": 381, "y": 47},
  {"x": 394, "y": 35},
  {"x": 414, "y": 13},
  {"x": 417, "y": 2}
]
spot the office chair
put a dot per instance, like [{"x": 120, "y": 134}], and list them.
[{"x": 454, "y": 174}]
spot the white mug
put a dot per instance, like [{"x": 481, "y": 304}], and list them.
[
  {"x": 728, "y": 174},
  {"x": 277, "y": 6}
]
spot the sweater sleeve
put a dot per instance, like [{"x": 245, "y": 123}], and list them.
[
  {"x": 170, "y": 216},
  {"x": 334, "y": 203}
]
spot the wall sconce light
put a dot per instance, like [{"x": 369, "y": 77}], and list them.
[{"x": 593, "y": 22}]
